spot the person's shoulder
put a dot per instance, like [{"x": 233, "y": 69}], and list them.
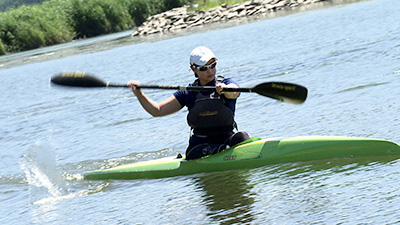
[
  {"x": 184, "y": 96},
  {"x": 180, "y": 93},
  {"x": 181, "y": 96}
]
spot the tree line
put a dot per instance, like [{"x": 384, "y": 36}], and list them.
[{"x": 58, "y": 21}]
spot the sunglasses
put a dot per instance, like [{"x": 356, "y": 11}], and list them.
[{"x": 211, "y": 66}]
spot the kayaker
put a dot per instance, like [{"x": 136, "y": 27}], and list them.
[{"x": 211, "y": 114}]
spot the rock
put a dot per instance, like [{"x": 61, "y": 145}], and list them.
[{"x": 178, "y": 19}]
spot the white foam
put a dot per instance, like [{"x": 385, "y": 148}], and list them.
[{"x": 42, "y": 174}]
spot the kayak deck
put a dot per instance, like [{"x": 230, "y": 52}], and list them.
[{"x": 253, "y": 153}]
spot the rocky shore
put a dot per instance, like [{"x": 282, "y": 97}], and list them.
[{"x": 181, "y": 18}]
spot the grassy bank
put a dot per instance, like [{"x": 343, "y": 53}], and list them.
[
  {"x": 59, "y": 21},
  {"x": 209, "y": 4}
]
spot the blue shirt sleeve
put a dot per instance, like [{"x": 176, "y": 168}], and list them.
[
  {"x": 181, "y": 96},
  {"x": 229, "y": 81}
]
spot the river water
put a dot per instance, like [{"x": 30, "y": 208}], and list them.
[{"x": 347, "y": 56}]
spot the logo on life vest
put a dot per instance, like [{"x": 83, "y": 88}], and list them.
[{"x": 208, "y": 113}]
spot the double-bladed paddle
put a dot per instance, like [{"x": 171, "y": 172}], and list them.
[{"x": 286, "y": 92}]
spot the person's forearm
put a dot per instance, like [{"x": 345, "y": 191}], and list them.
[{"x": 149, "y": 105}]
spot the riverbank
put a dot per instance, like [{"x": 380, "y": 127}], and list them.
[
  {"x": 110, "y": 41},
  {"x": 182, "y": 18}
]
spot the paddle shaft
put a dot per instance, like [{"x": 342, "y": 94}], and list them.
[
  {"x": 176, "y": 87},
  {"x": 286, "y": 92}
]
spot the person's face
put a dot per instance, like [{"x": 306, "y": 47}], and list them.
[{"x": 207, "y": 72}]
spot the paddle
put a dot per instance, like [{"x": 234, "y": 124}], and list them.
[{"x": 286, "y": 92}]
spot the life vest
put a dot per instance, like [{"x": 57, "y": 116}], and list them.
[{"x": 210, "y": 117}]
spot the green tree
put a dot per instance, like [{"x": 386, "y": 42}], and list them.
[{"x": 2, "y": 48}]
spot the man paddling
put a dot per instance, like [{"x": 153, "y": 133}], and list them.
[{"x": 211, "y": 114}]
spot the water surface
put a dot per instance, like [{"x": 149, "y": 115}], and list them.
[{"x": 346, "y": 55}]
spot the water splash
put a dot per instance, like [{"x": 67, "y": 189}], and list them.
[
  {"x": 42, "y": 174},
  {"x": 47, "y": 183}
]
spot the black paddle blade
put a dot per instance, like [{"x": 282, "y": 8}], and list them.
[
  {"x": 286, "y": 92},
  {"x": 78, "y": 79}
]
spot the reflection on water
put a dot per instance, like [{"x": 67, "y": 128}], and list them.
[
  {"x": 313, "y": 169},
  {"x": 320, "y": 191},
  {"x": 302, "y": 189},
  {"x": 227, "y": 196}
]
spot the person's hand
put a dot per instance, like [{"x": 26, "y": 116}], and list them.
[
  {"x": 133, "y": 84},
  {"x": 220, "y": 87},
  {"x": 231, "y": 95}
]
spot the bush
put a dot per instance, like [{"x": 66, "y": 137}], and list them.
[
  {"x": 117, "y": 15},
  {"x": 139, "y": 10},
  {"x": 58, "y": 21},
  {"x": 170, "y": 4},
  {"x": 28, "y": 37},
  {"x": 95, "y": 17},
  {"x": 2, "y": 48},
  {"x": 30, "y": 27}
]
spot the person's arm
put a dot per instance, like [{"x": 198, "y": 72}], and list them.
[
  {"x": 229, "y": 95},
  {"x": 166, "y": 107}
]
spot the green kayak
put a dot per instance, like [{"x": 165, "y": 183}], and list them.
[{"x": 254, "y": 153}]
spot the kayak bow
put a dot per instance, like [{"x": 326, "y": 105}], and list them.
[{"x": 253, "y": 153}]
